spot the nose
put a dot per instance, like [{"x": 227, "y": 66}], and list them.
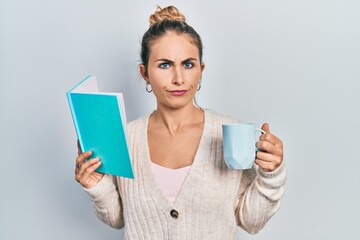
[{"x": 178, "y": 78}]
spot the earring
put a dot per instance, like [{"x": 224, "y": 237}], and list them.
[
  {"x": 148, "y": 87},
  {"x": 199, "y": 87}
]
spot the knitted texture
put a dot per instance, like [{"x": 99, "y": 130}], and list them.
[{"x": 212, "y": 202}]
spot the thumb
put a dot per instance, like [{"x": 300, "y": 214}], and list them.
[{"x": 266, "y": 127}]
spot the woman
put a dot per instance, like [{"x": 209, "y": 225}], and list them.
[{"x": 182, "y": 187}]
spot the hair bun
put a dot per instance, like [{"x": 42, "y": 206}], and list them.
[{"x": 169, "y": 13}]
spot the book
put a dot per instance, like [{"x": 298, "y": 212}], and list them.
[{"x": 101, "y": 126}]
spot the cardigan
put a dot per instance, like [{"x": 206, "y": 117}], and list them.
[{"x": 212, "y": 202}]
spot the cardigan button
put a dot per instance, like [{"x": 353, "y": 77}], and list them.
[{"x": 174, "y": 214}]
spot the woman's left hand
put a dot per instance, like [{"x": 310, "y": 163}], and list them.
[{"x": 271, "y": 155}]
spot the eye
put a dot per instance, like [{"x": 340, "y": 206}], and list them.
[
  {"x": 164, "y": 65},
  {"x": 188, "y": 65}
]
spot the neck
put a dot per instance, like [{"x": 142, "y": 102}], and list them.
[{"x": 175, "y": 119}]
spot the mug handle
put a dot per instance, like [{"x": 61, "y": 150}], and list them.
[{"x": 262, "y": 132}]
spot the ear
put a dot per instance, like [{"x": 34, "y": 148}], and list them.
[
  {"x": 142, "y": 70},
  {"x": 202, "y": 67}
]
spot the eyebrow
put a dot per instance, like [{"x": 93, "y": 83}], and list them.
[{"x": 170, "y": 61}]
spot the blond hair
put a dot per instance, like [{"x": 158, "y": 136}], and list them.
[{"x": 169, "y": 13}]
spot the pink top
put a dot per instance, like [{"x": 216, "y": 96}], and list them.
[{"x": 170, "y": 180}]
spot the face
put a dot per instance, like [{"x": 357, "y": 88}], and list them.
[{"x": 174, "y": 70}]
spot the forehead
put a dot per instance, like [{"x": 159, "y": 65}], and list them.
[{"x": 172, "y": 46}]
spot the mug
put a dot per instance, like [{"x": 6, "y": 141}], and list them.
[{"x": 239, "y": 141}]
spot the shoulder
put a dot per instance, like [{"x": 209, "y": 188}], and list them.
[
  {"x": 137, "y": 126},
  {"x": 137, "y": 122}
]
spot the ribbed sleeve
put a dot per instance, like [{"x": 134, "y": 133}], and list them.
[
  {"x": 260, "y": 198},
  {"x": 270, "y": 184},
  {"x": 107, "y": 202}
]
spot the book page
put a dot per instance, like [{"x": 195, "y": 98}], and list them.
[{"x": 89, "y": 84}]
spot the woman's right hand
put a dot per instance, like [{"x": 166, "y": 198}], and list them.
[{"x": 85, "y": 170}]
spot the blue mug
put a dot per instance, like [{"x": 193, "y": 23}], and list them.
[{"x": 239, "y": 148}]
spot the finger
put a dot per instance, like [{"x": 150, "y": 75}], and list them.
[
  {"x": 270, "y": 158},
  {"x": 81, "y": 159},
  {"x": 266, "y": 146},
  {"x": 93, "y": 167},
  {"x": 84, "y": 166},
  {"x": 83, "y": 156},
  {"x": 270, "y": 138},
  {"x": 266, "y": 166},
  {"x": 78, "y": 147},
  {"x": 90, "y": 178},
  {"x": 87, "y": 169},
  {"x": 266, "y": 127}
]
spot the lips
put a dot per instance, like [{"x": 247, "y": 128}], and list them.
[{"x": 178, "y": 92}]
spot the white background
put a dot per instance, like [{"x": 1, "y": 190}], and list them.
[{"x": 294, "y": 64}]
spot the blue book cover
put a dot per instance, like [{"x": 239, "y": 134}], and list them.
[{"x": 100, "y": 124}]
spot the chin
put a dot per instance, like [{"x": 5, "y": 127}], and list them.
[{"x": 179, "y": 105}]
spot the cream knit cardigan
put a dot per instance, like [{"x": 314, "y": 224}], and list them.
[{"x": 211, "y": 203}]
